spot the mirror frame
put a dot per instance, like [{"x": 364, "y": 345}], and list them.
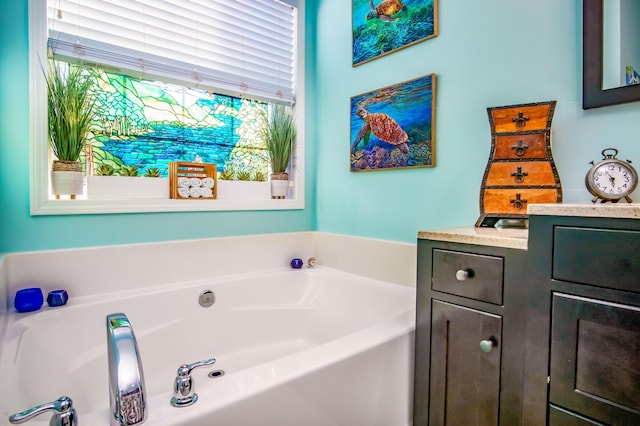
[{"x": 593, "y": 96}]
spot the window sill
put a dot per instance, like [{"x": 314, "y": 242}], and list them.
[
  {"x": 232, "y": 196},
  {"x": 62, "y": 207}
]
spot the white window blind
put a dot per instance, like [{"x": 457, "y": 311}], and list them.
[{"x": 235, "y": 47}]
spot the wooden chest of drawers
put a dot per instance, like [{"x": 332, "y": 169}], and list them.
[{"x": 520, "y": 170}]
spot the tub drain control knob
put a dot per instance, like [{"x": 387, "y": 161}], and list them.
[{"x": 183, "y": 393}]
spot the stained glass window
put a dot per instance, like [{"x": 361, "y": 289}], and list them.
[{"x": 147, "y": 124}]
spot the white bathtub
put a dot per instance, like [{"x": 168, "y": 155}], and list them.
[{"x": 298, "y": 347}]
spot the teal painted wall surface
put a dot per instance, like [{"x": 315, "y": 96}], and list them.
[
  {"x": 487, "y": 54},
  {"x": 21, "y": 232},
  {"x": 495, "y": 53}
]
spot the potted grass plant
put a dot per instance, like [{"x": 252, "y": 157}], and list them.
[
  {"x": 279, "y": 133},
  {"x": 70, "y": 109}
]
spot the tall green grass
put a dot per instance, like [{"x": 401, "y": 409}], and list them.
[
  {"x": 279, "y": 133},
  {"x": 70, "y": 109}
]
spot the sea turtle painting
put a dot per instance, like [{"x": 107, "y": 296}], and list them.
[
  {"x": 385, "y": 10},
  {"x": 383, "y": 127}
]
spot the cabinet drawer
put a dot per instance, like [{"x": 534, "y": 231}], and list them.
[
  {"x": 599, "y": 257},
  {"x": 511, "y": 147},
  {"x": 521, "y": 173},
  {"x": 521, "y": 119},
  {"x": 515, "y": 201},
  {"x": 469, "y": 275}
]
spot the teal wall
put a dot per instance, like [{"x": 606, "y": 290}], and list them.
[
  {"x": 491, "y": 53},
  {"x": 487, "y": 54},
  {"x": 20, "y": 232}
]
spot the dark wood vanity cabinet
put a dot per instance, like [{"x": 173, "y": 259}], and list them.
[
  {"x": 582, "y": 359},
  {"x": 469, "y": 334}
]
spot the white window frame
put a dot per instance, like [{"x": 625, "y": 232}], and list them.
[{"x": 41, "y": 204}]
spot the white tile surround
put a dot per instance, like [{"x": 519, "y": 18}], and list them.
[{"x": 95, "y": 270}]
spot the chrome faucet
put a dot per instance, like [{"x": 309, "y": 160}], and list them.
[{"x": 127, "y": 396}]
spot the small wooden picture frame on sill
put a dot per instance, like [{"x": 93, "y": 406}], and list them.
[{"x": 193, "y": 181}]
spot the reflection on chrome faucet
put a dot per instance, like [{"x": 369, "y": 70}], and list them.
[{"x": 127, "y": 397}]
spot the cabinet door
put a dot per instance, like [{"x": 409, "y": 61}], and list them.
[
  {"x": 465, "y": 366},
  {"x": 595, "y": 359}
]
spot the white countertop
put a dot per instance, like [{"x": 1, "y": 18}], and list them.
[
  {"x": 497, "y": 237},
  {"x": 517, "y": 237},
  {"x": 618, "y": 210}
]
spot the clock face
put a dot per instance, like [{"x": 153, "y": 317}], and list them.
[{"x": 613, "y": 179}]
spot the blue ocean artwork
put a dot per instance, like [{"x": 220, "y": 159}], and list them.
[
  {"x": 380, "y": 27},
  {"x": 392, "y": 127}
]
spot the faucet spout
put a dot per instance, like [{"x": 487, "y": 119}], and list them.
[{"x": 127, "y": 396}]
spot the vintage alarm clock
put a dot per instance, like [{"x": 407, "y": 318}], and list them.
[{"x": 611, "y": 179}]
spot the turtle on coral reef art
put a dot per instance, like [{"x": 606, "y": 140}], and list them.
[
  {"x": 380, "y": 27},
  {"x": 393, "y": 127},
  {"x": 385, "y": 10},
  {"x": 383, "y": 127}
]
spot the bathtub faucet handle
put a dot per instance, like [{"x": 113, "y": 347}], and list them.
[
  {"x": 183, "y": 393},
  {"x": 64, "y": 413}
]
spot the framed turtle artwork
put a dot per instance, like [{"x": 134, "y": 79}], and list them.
[
  {"x": 394, "y": 127},
  {"x": 380, "y": 27}
]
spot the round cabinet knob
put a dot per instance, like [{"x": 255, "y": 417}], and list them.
[
  {"x": 486, "y": 345},
  {"x": 463, "y": 274}
]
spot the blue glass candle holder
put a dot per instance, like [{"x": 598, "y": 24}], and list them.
[
  {"x": 296, "y": 263},
  {"x": 57, "y": 297},
  {"x": 28, "y": 299}
]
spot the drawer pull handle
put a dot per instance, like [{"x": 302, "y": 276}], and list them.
[
  {"x": 518, "y": 202},
  {"x": 487, "y": 345},
  {"x": 520, "y": 120},
  {"x": 519, "y": 175},
  {"x": 520, "y": 148},
  {"x": 464, "y": 274}
]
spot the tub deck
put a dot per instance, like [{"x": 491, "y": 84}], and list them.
[{"x": 298, "y": 342}]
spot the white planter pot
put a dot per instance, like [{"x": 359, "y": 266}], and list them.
[
  {"x": 67, "y": 183},
  {"x": 242, "y": 190},
  {"x": 279, "y": 188},
  {"x": 126, "y": 187}
]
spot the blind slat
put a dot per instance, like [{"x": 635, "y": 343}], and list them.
[{"x": 238, "y": 47}]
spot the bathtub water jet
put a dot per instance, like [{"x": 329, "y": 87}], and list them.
[{"x": 207, "y": 298}]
